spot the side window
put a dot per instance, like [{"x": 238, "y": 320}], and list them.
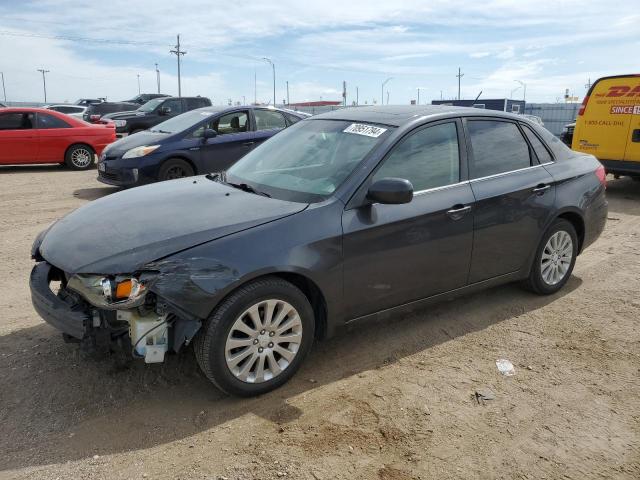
[
  {"x": 193, "y": 103},
  {"x": 174, "y": 105},
  {"x": 236, "y": 122},
  {"x": 49, "y": 121},
  {"x": 541, "y": 151},
  {"x": 16, "y": 121},
  {"x": 498, "y": 147},
  {"x": 269, "y": 120},
  {"x": 428, "y": 158}
]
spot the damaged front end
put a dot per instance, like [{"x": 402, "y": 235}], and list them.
[{"x": 107, "y": 313}]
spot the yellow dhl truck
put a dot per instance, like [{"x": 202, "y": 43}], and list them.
[{"x": 608, "y": 124}]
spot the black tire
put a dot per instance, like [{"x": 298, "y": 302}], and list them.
[
  {"x": 175, "y": 168},
  {"x": 209, "y": 345},
  {"x": 79, "y": 157},
  {"x": 536, "y": 282}
]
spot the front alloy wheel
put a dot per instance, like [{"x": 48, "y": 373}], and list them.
[
  {"x": 263, "y": 341},
  {"x": 257, "y": 338}
]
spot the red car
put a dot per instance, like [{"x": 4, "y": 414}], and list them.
[{"x": 36, "y": 135}]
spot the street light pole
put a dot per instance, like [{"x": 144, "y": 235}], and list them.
[
  {"x": 382, "y": 90},
  {"x": 4, "y": 92},
  {"x": 44, "y": 82},
  {"x": 158, "y": 77},
  {"x": 357, "y": 95},
  {"x": 524, "y": 93},
  {"x": 460, "y": 75},
  {"x": 177, "y": 52},
  {"x": 138, "y": 84},
  {"x": 287, "y": 92},
  {"x": 418, "y": 96},
  {"x": 273, "y": 67}
]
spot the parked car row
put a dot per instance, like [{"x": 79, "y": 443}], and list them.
[{"x": 341, "y": 217}]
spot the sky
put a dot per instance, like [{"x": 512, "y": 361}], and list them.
[{"x": 98, "y": 49}]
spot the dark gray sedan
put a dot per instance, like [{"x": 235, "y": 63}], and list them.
[{"x": 334, "y": 220}]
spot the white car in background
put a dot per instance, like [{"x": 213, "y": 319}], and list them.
[{"x": 74, "y": 110}]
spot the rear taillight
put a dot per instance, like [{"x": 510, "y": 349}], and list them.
[
  {"x": 602, "y": 175},
  {"x": 584, "y": 105}
]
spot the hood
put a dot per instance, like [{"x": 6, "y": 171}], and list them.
[
  {"x": 124, "y": 231},
  {"x": 119, "y": 147}
]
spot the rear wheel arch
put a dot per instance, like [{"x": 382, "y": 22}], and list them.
[{"x": 578, "y": 224}]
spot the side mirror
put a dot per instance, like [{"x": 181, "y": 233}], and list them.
[
  {"x": 392, "y": 191},
  {"x": 165, "y": 111},
  {"x": 209, "y": 133}
]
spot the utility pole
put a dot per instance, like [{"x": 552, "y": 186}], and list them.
[
  {"x": 158, "y": 77},
  {"x": 357, "y": 95},
  {"x": 287, "y": 92},
  {"x": 4, "y": 92},
  {"x": 587, "y": 86},
  {"x": 524, "y": 93},
  {"x": 273, "y": 67},
  {"x": 44, "y": 82},
  {"x": 387, "y": 97},
  {"x": 418, "y": 96},
  {"x": 460, "y": 75},
  {"x": 382, "y": 90},
  {"x": 244, "y": 100},
  {"x": 255, "y": 87},
  {"x": 177, "y": 52},
  {"x": 138, "y": 84},
  {"x": 344, "y": 93}
]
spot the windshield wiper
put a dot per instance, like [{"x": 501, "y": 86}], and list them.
[{"x": 245, "y": 187}]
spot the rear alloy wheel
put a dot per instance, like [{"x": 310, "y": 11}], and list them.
[
  {"x": 555, "y": 258},
  {"x": 175, "y": 168},
  {"x": 257, "y": 338},
  {"x": 79, "y": 157}
]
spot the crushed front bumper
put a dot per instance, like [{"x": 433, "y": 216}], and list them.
[{"x": 68, "y": 318}]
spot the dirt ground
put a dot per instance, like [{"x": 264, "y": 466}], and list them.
[{"x": 390, "y": 400}]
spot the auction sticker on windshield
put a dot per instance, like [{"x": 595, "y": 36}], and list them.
[{"x": 366, "y": 130}]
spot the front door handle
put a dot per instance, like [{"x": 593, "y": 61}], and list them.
[
  {"x": 248, "y": 144},
  {"x": 540, "y": 189},
  {"x": 458, "y": 211}
]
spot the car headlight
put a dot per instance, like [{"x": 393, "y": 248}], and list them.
[
  {"x": 140, "y": 151},
  {"x": 120, "y": 123},
  {"x": 112, "y": 293}
]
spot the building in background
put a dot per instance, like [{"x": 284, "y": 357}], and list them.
[{"x": 500, "y": 104}]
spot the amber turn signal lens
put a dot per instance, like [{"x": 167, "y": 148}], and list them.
[{"x": 123, "y": 289}]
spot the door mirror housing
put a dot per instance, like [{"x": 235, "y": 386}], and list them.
[
  {"x": 164, "y": 111},
  {"x": 209, "y": 133},
  {"x": 391, "y": 191}
]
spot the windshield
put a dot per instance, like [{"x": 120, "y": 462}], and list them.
[
  {"x": 180, "y": 123},
  {"x": 307, "y": 161},
  {"x": 151, "y": 105}
]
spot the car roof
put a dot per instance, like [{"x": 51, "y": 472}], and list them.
[
  {"x": 398, "y": 115},
  {"x": 222, "y": 109}
]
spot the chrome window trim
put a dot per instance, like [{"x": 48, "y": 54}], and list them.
[
  {"x": 443, "y": 187},
  {"x": 496, "y": 175}
]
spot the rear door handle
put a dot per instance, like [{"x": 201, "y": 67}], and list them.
[
  {"x": 458, "y": 211},
  {"x": 540, "y": 189}
]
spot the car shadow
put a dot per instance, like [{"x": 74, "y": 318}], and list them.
[
  {"x": 623, "y": 196},
  {"x": 56, "y": 406},
  {"x": 95, "y": 193},
  {"x": 50, "y": 167}
]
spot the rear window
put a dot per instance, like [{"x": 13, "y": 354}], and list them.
[
  {"x": 541, "y": 151},
  {"x": 498, "y": 147}
]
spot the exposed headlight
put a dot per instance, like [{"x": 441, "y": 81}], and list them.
[
  {"x": 112, "y": 293},
  {"x": 140, "y": 151},
  {"x": 120, "y": 123}
]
